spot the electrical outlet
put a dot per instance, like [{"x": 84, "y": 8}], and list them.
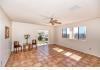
[{"x": 90, "y": 48}]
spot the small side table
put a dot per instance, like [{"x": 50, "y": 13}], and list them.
[
  {"x": 30, "y": 47},
  {"x": 27, "y": 47}
]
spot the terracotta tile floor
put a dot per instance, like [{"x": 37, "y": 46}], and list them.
[{"x": 52, "y": 56}]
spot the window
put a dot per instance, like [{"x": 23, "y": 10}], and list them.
[
  {"x": 64, "y": 33},
  {"x": 71, "y": 33},
  {"x": 68, "y": 32},
  {"x": 81, "y": 32},
  {"x": 75, "y": 32}
]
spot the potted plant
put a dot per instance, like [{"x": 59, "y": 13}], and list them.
[{"x": 40, "y": 38}]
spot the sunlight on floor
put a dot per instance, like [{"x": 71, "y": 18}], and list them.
[
  {"x": 42, "y": 44},
  {"x": 58, "y": 49},
  {"x": 67, "y": 53},
  {"x": 75, "y": 57}
]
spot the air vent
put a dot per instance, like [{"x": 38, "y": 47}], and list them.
[{"x": 74, "y": 8}]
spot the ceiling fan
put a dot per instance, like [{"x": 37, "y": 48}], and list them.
[{"x": 52, "y": 20}]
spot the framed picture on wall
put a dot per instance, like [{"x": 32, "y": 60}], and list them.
[
  {"x": 6, "y": 32},
  {"x": 64, "y": 33}
]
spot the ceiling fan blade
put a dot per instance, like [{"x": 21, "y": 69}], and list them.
[
  {"x": 58, "y": 22},
  {"x": 55, "y": 21}
]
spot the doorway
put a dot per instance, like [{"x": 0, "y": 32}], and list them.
[{"x": 42, "y": 38}]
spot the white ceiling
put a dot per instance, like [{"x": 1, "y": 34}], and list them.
[{"x": 66, "y": 11}]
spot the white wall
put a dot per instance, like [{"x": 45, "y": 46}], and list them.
[
  {"x": 20, "y": 29},
  {"x": 99, "y": 8},
  {"x": 5, "y": 44},
  {"x": 92, "y": 41}
]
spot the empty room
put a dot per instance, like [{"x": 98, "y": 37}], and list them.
[{"x": 49, "y": 33}]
